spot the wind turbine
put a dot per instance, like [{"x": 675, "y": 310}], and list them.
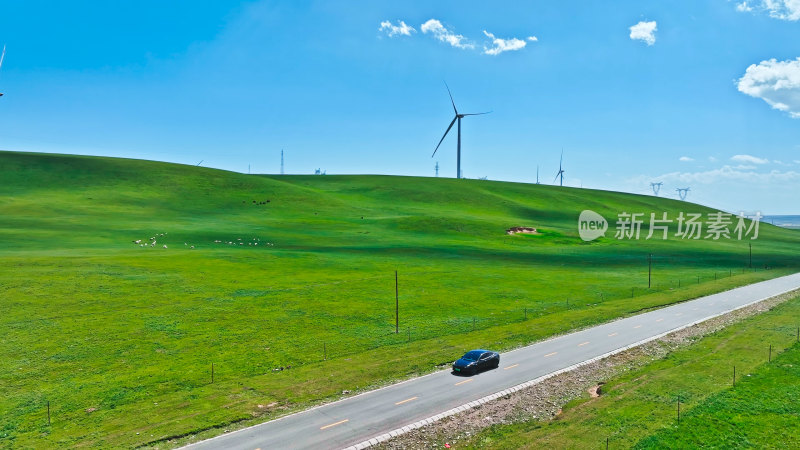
[
  {"x": 560, "y": 170},
  {"x": 537, "y": 174},
  {"x": 2, "y": 57},
  {"x": 458, "y": 117}
]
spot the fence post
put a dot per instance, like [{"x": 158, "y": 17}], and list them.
[
  {"x": 212, "y": 372},
  {"x": 770, "y": 353},
  {"x": 396, "y": 306},
  {"x": 734, "y": 376},
  {"x": 48, "y": 413}
]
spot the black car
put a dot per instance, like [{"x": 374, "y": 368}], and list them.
[{"x": 476, "y": 360}]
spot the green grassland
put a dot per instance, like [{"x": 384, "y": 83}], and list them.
[
  {"x": 763, "y": 411},
  {"x": 638, "y": 409},
  {"x": 120, "y": 338}
]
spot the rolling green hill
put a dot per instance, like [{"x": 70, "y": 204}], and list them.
[{"x": 296, "y": 272}]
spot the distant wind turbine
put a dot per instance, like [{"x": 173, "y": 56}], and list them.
[
  {"x": 2, "y": 57},
  {"x": 560, "y": 170},
  {"x": 458, "y": 117}
]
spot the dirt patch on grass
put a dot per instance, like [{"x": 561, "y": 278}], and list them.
[
  {"x": 544, "y": 401},
  {"x": 522, "y": 230}
]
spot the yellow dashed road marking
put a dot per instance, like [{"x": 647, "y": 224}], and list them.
[
  {"x": 582, "y": 344},
  {"x": 510, "y": 367},
  {"x": 465, "y": 381},
  {"x": 550, "y": 354},
  {"x": 406, "y": 400},
  {"x": 613, "y": 334},
  {"x": 334, "y": 424}
]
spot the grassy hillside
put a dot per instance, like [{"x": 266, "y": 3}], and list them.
[{"x": 120, "y": 337}]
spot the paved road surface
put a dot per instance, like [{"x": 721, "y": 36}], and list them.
[{"x": 360, "y": 418}]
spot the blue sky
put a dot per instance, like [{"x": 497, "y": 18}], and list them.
[{"x": 697, "y": 94}]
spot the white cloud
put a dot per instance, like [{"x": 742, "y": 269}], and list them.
[
  {"x": 502, "y": 45},
  {"x": 712, "y": 159},
  {"x": 394, "y": 30},
  {"x": 644, "y": 31},
  {"x": 749, "y": 159},
  {"x": 777, "y": 9},
  {"x": 796, "y": 161},
  {"x": 685, "y": 159},
  {"x": 727, "y": 173},
  {"x": 441, "y": 33},
  {"x": 533, "y": 38},
  {"x": 775, "y": 82},
  {"x": 783, "y": 9}
]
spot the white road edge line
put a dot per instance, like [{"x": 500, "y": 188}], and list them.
[{"x": 496, "y": 395}]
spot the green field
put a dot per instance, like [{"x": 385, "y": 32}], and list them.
[
  {"x": 120, "y": 338},
  {"x": 639, "y": 409},
  {"x": 762, "y": 411}
]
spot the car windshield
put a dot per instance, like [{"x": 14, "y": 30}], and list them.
[{"x": 472, "y": 356}]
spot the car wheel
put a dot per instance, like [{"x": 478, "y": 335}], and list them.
[{"x": 496, "y": 364}]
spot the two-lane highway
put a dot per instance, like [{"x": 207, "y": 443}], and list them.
[{"x": 358, "y": 419}]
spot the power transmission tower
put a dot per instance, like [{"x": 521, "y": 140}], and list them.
[
  {"x": 281, "y": 161},
  {"x": 683, "y": 192},
  {"x": 656, "y": 187}
]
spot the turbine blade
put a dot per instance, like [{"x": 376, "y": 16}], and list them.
[
  {"x": 451, "y": 97},
  {"x": 445, "y": 135},
  {"x": 475, "y": 114},
  {"x": 2, "y": 56}
]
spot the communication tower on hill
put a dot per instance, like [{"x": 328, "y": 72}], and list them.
[{"x": 656, "y": 187}]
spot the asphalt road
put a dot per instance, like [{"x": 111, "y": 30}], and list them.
[{"x": 362, "y": 417}]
